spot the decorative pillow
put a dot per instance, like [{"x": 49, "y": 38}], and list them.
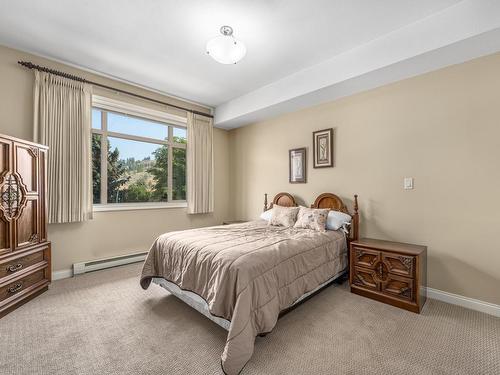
[
  {"x": 266, "y": 215},
  {"x": 283, "y": 216},
  {"x": 312, "y": 218},
  {"x": 337, "y": 220}
]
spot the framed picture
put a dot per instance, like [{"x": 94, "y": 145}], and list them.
[
  {"x": 297, "y": 172},
  {"x": 323, "y": 148}
]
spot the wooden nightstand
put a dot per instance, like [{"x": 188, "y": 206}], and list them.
[
  {"x": 390, "y": 272},
  {"x": 227, "y": 222}
]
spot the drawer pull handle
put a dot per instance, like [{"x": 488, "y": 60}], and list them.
[
  {"x": 15, "y": 288},
  {"x": 14, "y": 267}
]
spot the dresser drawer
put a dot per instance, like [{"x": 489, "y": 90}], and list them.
[
  {"x": 12, "y": 266},
  {"x": 399, "y": 287},
  {"x": 366, "y": 258},
  {"x": 402, "y": 265},
  {"x": 16, "y": 287}
]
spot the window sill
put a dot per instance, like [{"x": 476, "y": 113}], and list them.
[{"x": 137, "y": 206}]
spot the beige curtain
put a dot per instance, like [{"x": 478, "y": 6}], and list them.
[
  {"x": 62, "y": 111},
  {"x": 200, "y": 180}
]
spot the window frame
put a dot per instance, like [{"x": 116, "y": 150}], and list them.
[{"x": 106, "y": 105}]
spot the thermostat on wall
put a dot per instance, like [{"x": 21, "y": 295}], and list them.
[{"x": 408, "y": 183}]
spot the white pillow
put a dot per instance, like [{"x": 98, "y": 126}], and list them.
[
  {"x": 337, "y": 220},
  {"x": 266, "y": 215}
]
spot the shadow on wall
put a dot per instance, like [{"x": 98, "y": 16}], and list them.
[{"x": 456, "y": 272}]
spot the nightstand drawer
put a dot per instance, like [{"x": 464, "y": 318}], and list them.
[
  {"x": 366, "y": 258},
  {"x": 402, "y": 265},
  {"x": 400, "y": 287},
  {"x": 365, "y": 278}
]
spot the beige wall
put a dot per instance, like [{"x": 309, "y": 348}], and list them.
[
  {"x": 441, "y": 128},
  {"x": 110, "y": 233}
]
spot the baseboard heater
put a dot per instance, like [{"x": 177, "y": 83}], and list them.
[{"x": 83, "y": 267}]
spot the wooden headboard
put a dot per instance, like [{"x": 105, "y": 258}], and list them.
[
  {"x": 281, "y": 199},
  {"x": 333, "y": 202}
]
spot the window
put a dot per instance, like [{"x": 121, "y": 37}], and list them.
[{"x": 137, "y": 159}]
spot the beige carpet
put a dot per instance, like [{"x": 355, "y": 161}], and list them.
[{"x": 103, "y": 323}]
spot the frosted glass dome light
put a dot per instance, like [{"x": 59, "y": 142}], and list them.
[{"x": 226, "y": 49}]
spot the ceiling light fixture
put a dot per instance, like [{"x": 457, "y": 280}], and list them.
[{"x": 226, "y": 49}]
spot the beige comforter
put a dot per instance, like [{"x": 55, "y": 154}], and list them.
[{"x": 247, "y": 273}]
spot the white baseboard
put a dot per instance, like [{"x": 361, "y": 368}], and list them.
[
  {"x": 469, "y": 303},
  {"x": 62, "y": 274}
]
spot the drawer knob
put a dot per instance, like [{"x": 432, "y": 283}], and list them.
[
  {"x": 14, "y": 267},
  {"x": 15, "y": 288}
]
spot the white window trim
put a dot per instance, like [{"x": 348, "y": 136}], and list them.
[
  {"x": 138, "y": 206},
  {"x": 120, "y": 107},
  {"x": 137, "y": 110}
]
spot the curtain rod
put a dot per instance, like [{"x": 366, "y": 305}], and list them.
[{"x": 30, "y": 65}]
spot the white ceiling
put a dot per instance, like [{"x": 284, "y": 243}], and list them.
[{"x": 161, "y": 43}]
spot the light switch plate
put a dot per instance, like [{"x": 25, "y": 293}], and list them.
[{"x": 408, "y": 183}]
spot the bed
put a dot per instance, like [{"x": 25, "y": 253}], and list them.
[{"x": 243, "y": 276}]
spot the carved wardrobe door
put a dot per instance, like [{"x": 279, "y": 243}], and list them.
[{"x": 25, "y": 172}]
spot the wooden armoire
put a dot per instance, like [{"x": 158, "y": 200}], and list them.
[{"x": 25, "y": 269}]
